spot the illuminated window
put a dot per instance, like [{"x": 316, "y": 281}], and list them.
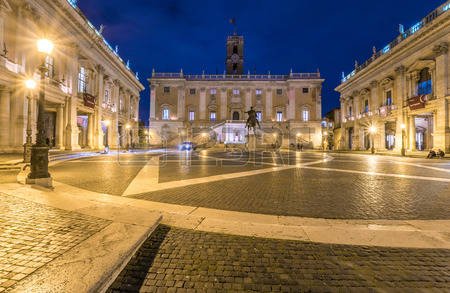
[
  {"x": 259, "y": 115},
  {"x": 212, "y": 116},
  {"x": 213, "y": 92},
  {"x": 366, "y": 106},
  {"x": 106, "y": 97},
  {"x": 279, "y": 116},
  {"x": 82, "y": 80},
  {"x": 258, "y": 92},
  {"x": 305, "y": 114},
  {"x": 424, "y": 84},
  {"x": 389, "y": 98},
  {"x": 165, "y": 114},
  {"x": 191, "y": 115},
  {"x": 235, "y": 92}
]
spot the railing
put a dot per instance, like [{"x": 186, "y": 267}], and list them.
[
  {"x": 314, "y": 75},
  {"x": 73, "y": 3},
  {"x": 402, "y": 36}
]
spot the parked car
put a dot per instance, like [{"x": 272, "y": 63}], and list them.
[{"x": 186, "y": 146}]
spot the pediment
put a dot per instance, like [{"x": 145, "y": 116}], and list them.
[
  {"x": 364, "y": 92},
  {"x": 420, "y": 64},
  {"x": 386, "y": 81}
]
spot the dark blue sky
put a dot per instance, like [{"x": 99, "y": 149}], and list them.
[{"x": 303, "y": 35}]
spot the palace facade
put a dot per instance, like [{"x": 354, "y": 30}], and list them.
[
  {"x": 209, "y": 107},
  {"x": 402, "y": 91},
  {"x": 91, "y": 95}
]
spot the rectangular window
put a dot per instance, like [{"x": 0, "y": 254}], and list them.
[
  {"x": 82, "y": 80},
  {"x": 259, "y": 116},
  {"x": 191, "y": 115},
  {"x": 350, "y": 111},
  {"x": 165, "y": 114},
  {"x": 389, "y": 98},
  {"x": 235, "y": 92},
  {"x": 305, "y": 115},
  {"x": 213, "y": 92},
  {"x": 192, "y": 91},
  {"x": 258, "y": 92},
  {"x": 279, "y": 116},
  {"x": 366, "y": 106},
  {"x": 166, "y": 89},
  {"x": 50, "y": 73},
  {"x": 279, "y": 92},
  {"x": 212, "y": 116},
  {"x": 106, "y": 97},
  {"x": 305, "y": 90}
]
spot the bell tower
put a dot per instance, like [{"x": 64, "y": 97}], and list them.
[{"x": 235, "y": 55}]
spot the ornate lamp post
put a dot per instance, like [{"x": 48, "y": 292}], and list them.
[
  {"x": 30, "y": 84},
  {"x": 372, "y": 130},
  {"x": 403, "y": 151},
  {"x": 39, "y": 151}
]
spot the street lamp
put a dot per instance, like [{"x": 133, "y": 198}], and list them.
[
  {"x": 30, "y": 84},
  {"x": 403, "y": 151},
  {"x": 39, "y": 151},
  {"x": 372, "y": 130}
]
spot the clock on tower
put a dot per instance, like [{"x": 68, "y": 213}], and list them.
[{"x": 235, "y": 55}]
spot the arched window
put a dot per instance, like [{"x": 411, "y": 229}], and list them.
[
  {"x": 305, "y": 114},
  {"x": 424, "y": 84},
  {"x": 165, "y": 113}
]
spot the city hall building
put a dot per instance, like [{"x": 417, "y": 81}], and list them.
[
  {"x": 91, "y": 95},
  {"x": 402, "y": 91},
  {"x": 208, "y": 107}
]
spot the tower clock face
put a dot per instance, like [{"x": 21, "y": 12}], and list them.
[{"x": 235, "y": 58}]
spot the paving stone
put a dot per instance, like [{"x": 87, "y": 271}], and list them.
[
  {"x": 48, "y": 232},
  {"x": 335, "y": 268}
]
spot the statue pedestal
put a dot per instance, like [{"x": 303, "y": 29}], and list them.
[{"x": 251, "y": 143}]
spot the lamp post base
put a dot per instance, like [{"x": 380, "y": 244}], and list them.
[
  {"x": 27, "y": 152},
  {"x": 45, "y": 182},
  {"x": 403, "y": 152},
  {"x": 39, "y": 167}
]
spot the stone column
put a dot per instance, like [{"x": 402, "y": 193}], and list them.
[
  {"x": 400, "y": 101},
  {"x": 441, "y": 76},
  {"x": 180, "y": 103},
  {"x": 202, "y": 104},
  {"x": 318, "y": 103},
  {"x": 98, "y": 133},
  {"x": 90, "y": 135},
  {"x": 5, "y": 100},
  {"x": 114, "y": 127},
  {"x": 152, "y": 102},
  {"x": 291, "y": 104},
  {"x": 72, "y": 127},
  {"x": 223, "y": 104},
  {"x": 412, "y": 133},
  {"x": 248, "y": 99},
  {"x": 374, "y": 103},
  {"x": 17, "y": 126},
  {"x": 268, "y": 104},
  {"x": 60, "y": 127}
]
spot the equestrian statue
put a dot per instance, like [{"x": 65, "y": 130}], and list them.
[{"x": 252, "y": 121}]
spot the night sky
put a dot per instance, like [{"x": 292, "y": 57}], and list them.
[{"x": 279, "y": 35}]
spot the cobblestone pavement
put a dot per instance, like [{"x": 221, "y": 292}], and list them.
[
  {"x": 179, "y": 260},
  {"x": 32, "y": 235},
  {"x": 103, "y": 174},
  {"x": 314, "y": 193}
]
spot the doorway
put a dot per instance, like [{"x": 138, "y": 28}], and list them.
[
  {"x": 424, "y": 132},
  {"x": 236, "y": 115}
]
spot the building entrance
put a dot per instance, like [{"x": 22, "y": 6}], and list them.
[
  {"x": 235, "y": 115},
  {"x": 424, "y": 132}
]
